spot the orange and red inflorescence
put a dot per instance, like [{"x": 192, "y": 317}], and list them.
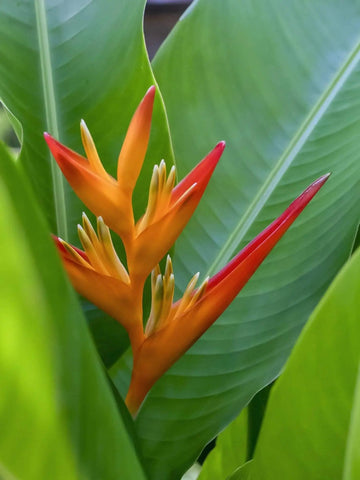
[{"x": 98, "y": 274}]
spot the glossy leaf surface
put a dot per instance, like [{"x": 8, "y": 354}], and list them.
[
  {"x": 273, "y": 80},
  {"x": 242, "y": 473},
  {"x": 311, "y": 425},
  {"x": 64, "y": 61},
  {"x": 58, "y": 417},
  {"x": 80, "y": 59}
]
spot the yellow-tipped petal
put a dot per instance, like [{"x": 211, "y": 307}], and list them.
[
  {"x": 152, "y": 201},
  {"x": 100, "y": 250},
  {"x": 157, "y": 294},
  {"x": 89, "y": 230},
  {"x": 186, "y": 298},
  {"x": 169, "y": 288},
  {"x": 168, "y": 267},
  {"x": 199, "y": 293},
  {"x": 75, "y": 255},
  {"x": 159, "y": 196},
  {"x": 113, "y": 263},
  {"x": 162, "y": 294},
  {"x": 91, "y": 251},
  {"x": 164, "y": 193},
  {"x": 162, "y": 175},
  {"x": 170, "y": 181},
  {"x": 90, "y": 150}
]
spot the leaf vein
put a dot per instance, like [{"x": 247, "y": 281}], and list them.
[{"x": 285, "y": 161}]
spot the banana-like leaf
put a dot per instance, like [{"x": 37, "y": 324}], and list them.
[
  {"x": 280, "y": 82},
  {"x": 63, "y": 61},
  {"x": 57, "y": 414},
  {"x": 60, "y": 62},
  {"x": 311, "y": 426},
  {"x": 230, "y": 450}
]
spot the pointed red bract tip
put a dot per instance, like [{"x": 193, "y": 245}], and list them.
[
  {"x": 304, "y": 198},
  {"x": 144, "y": 111},
  {"x": 148, "y": 98},
  {"x": 50, "y": 140},
  {"x": 319, "y": 182},
  {"x": 268, "y": 238},
  {"x": 201, "y": 173}
]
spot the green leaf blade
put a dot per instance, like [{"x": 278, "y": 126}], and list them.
[
  {"x": 59, "y": 63},
  {"x": 58, "y": 416},
  {"x": 307, "y": 424},
  {"x": 54, "y": 46},
  {"x": 280, "y": 88},
  {"x": 230, "y": 450}
]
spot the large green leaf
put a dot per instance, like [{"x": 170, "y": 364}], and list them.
[
  {"x": 312, "y": 421},
  {"x": 230, "y": 450},
  {"x": 58, "y": 417},
  {"x": 274, "y": 80},
  {"x": 237, "y": 442},
  {"x": 63, "y": 61},
  {"x": 60, "y": 62}
]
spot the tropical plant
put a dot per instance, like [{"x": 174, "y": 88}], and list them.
[{"x": 274, "y": 82}]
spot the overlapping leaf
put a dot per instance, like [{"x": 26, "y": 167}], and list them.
[
  {"x": 230, "y": 451},
  {"x": 274, "y": 81},
  {"x": 311, "y": 425},
  {"x": 58, "y": 417},
  {"x": 60, "y": 62}
]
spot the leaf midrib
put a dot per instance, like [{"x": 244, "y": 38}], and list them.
[
  {"x": 294, "y": 147},
  {"x": 51, "y": 114}
]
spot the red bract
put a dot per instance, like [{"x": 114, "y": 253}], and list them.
[{"x": 190, "y": 317}]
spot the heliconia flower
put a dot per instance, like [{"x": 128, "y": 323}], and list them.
[
  {"x": 169, "y": 208},
  {"x": 98, "y": 274},
  {"x": 173, "y": 328}
]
